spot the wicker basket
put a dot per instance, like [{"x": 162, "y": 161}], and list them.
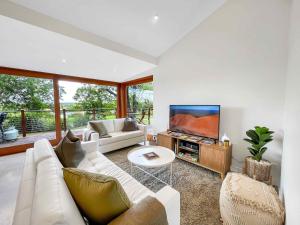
[{"x": 258, "y": 170}]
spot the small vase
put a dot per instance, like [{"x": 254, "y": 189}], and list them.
[
  {"x": 258, "y": 170},
  {"x": 225, "y": 137}
]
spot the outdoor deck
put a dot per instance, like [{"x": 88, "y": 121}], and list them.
[{"x": 31, "y": 138}]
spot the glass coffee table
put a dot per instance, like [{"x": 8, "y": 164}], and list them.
[{"x": 138, "y": 160}]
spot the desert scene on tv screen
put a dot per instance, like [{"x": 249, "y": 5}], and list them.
[{"x": 195, "y": 120}]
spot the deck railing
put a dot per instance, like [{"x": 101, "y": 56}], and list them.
[
  {"x": 37, "y": 121},
  {"x": 75, "y": 119},
  {"x": 143, "y": 116}
]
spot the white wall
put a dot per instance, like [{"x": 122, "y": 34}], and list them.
[
  {"x": 291, "y": 153},
  {"x": 236, "y": 58}
]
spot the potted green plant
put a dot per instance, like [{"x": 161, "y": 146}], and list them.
[{"x": 255, "y": 166}]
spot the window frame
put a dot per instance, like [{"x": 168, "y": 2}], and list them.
[{"x": 121, "y": 98}]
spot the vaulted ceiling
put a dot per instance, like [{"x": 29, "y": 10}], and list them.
[{"x": 104, "y": 39}]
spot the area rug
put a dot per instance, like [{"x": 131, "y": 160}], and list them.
[{"x": 199, "y": 188}]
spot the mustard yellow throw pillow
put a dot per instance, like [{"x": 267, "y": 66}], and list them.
[{"x": 100, "y": 198}]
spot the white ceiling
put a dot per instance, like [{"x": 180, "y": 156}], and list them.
[
  {"x": 129, "y": 22},
  {"x": 102, "y": 39},
  {"x": 30, "y": 47}
]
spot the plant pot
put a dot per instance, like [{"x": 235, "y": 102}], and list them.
[{"x": 258, "y": 170}]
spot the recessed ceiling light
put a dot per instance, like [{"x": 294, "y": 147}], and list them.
[
  {"x": 155, "y": 19},
  {"x": 64, "y": 60}
]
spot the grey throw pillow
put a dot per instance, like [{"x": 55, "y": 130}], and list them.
[
  {"x": 69, "y": 150},
  {"x": 130, "y": 125},
  {"x": 99, "y": 128}
]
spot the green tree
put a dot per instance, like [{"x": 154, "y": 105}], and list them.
[
  {"x": 136, "y": 97},
  {"x": 95, "y": 97},
  {"x": 17, "y": 92}
]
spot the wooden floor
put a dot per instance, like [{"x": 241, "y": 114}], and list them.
[{"x": 31, "y": 138}]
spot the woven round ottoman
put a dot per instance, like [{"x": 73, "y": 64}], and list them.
[{"x": 244, "y": 201}]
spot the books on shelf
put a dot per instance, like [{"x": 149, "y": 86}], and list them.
[{"x": 189, "y": 156}]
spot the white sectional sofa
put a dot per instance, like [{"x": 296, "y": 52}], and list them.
[
  {"x": 118, "y": 139},
  {"x": 44, "y": 198}
]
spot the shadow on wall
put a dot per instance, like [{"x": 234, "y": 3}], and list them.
[
  {"x": 232, "y": 123},
  {"x": 274, "y": 155}
]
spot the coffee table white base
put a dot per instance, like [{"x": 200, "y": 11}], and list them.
[
  {"x": 138, "y": 160},
  {"x": 150, "y": 174}
]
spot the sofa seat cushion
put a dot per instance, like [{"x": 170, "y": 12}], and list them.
[
  {"x": 120, "y": 136},
  {"x": 134, "y": 190},
  {"x": 53, "y": 203}
]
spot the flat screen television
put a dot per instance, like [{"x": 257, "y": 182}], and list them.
[{"x": 199, "y": 120}]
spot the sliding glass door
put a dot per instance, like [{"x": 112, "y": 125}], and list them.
[
  {"x": 26, "y": 110},
  {"x": 140, "y": 102},
  {"x": 82, "y": 102},
  {"x": 35, "y": 105}
]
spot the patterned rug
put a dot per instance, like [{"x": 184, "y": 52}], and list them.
[{"x": 199, "y": 188}]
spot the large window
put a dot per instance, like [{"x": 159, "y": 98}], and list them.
[
  {"x": 140, "y": 102},
  {"x": 26, "y": 110},
  {"x": 82, "y": 102},
  {"x": 35, "y": 105}
]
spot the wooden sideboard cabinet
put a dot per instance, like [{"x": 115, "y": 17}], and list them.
[
  {"x": 165, "y": 140},
  {"x": 214, "y": 157}
]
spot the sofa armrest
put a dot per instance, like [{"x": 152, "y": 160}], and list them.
[
  {"x": 94, "y": 136},
  {"x": 149, "y": 211},
  {"x": 89, "y": 146},
  {"x": 170, "y": 198},
  {"x": 143, "y": 128}
]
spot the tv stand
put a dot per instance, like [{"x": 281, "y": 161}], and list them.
[{"x": 214, "y": 156}]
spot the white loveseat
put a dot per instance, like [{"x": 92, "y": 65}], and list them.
[
  {"x": 44, "y": 198},
  {"x": 118, "y": 139}
]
